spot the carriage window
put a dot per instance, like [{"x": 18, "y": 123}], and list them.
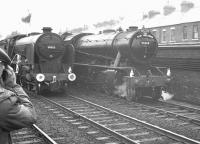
[
  {"x": 163, "y": 35},
  {"x": 172, "y": 34},
  {"x": 185, "y": 32},
  {"x": 195, "y": 34}
]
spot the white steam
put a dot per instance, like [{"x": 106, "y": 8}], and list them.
[
  {"x": 166, "y": 96},
  {"x": 120, "y": 90}
]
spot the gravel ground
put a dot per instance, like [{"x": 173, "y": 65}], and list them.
[
  {"x": 185, "y": 86},
  {"x": 68, "y": 133},
  {"x": 125, "y": 107}
]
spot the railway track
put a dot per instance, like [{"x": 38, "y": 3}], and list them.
[
  {"x": 189, "y": 114},
  {"x": 117, "y": 127},
  {"x": 31, "y": 135}
]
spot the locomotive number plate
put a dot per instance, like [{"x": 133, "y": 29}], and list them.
[
  {"x": 144, "y": 42},
  {"x": 51, "y": 47}
]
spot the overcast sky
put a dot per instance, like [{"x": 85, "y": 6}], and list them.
[{"x": 69, "y": 14}]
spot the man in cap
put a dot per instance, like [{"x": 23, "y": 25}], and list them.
[{"x": 16, "y": 110}]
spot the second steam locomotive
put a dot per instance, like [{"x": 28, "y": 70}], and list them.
[
  {"x": 41, "y": 60},
  {"x": 119, "y": 62}
]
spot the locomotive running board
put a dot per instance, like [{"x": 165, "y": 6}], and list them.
[{"x": 103, "y": 66}]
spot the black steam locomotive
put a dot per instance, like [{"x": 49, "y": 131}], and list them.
[
  {"x": 119, "y": 62},
  {"x": 41, "y": 61}
]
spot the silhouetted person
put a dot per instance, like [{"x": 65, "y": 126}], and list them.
[{"x": 16, "y": 110}]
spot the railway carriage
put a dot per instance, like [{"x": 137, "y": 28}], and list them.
[
  {"x": 119, "y": 63},
  {"x": 41, "y": 61}
]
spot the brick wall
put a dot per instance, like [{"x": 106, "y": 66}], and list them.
[{"x": 178, "y": 32}]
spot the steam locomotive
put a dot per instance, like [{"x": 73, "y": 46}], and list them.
[
  {"x": 119, "y": 63},
  {"x": 41, "y": 61}
]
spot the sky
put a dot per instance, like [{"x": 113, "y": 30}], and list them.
[{"x": 62, "y": 15}]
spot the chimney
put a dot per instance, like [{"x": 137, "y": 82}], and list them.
[
  {"x": 168, "y": 9},
  {"x": 153, "y": 13},
  {"x": 47, "y": 29},
  {"x": 186, "y": 6},
  {"x": 108, "y": 31}
]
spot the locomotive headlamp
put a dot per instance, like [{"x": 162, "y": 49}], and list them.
[
  {"x": 54, "y": 79},
  {"x": 72, "y": 77},
  {"x": 70, "y": 70},
  {"x": 131, "y": 73},
  {"x": 40, "y": 77},
  {"x": 168, "y": 72}
]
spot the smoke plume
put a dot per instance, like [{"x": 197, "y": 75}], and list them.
[
  {"x": 186, "y": 6},
  {"x": 166, "y": 95},
  {"x": 79, "y": 29},
  {"x": 120, "y": 90},
  {"x": 145, "y": 16},
  {"x": 153, "y": 13},
  {"x": 150, "y": 14},
  {"x": 106, "y": 23},
  {"x": 26, "y": 19},
  {"x": 168, "y": 10}
]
